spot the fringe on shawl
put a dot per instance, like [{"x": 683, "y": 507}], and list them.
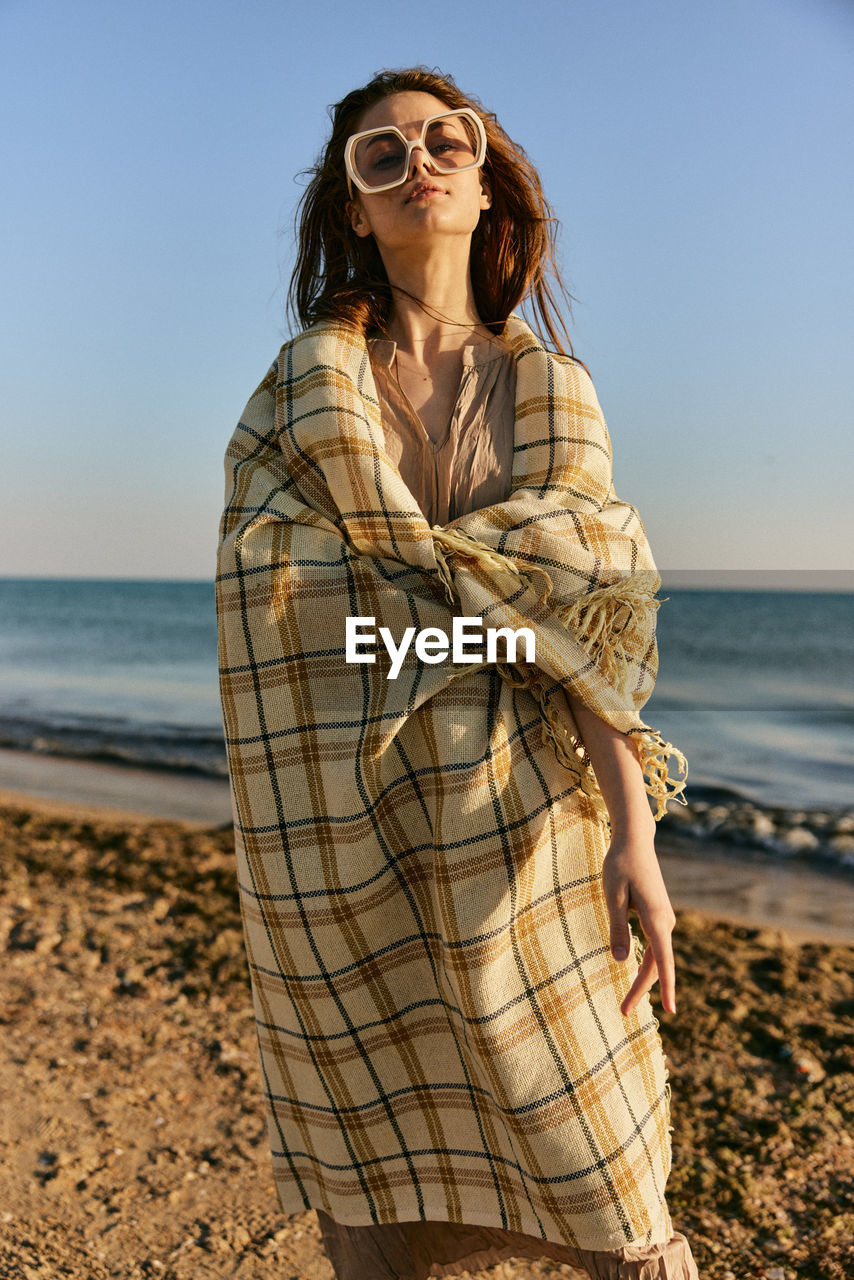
[
  {"x": 607, "y": 622},
  {"x": 447, "y": 542}
]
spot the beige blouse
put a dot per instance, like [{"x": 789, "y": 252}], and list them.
[
  {"x": 469, "y": 468},
  {"x": 471, "y": 465}
]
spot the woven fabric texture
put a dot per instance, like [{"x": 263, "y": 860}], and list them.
[{"x": 419, "y": 855}]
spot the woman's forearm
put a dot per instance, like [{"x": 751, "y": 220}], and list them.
[{"x": 618, "y": 771}]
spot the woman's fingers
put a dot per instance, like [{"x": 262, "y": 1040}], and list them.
[
  {"x": 633, "y": 882},
  {"x": 666, "y": 965},
  {"x": 657, "y": 963},
  {"x": 617, "y": 901},
  {"x": 645, "y": 980}
]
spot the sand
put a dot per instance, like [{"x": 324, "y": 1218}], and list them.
[{"x": 132, "y": 1132}]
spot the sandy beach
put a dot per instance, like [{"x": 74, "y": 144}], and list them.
[{"x": 133, "y": 1137}]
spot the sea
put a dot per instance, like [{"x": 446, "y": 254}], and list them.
[{"x": 755, "y": 687}]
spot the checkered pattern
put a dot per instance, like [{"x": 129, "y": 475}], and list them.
[{"x": 419, "y": 859}]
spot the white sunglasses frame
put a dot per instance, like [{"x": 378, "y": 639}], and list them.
[{"x": 354, "y": 179}]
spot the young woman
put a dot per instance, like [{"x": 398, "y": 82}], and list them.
[{"x": 438, "y": 845}]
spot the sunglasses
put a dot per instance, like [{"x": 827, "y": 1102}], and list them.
[{"x": 378, "y": 159}]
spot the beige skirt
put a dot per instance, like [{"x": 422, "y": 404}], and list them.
[{"x": 418, "y": 1250}]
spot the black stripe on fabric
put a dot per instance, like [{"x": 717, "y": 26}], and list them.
[
  {"x": 265, "y": 440},
  {"x": 502, "y": 828},
  {"x": 452, "y": 1086},
  {"x": 345, "y": 1017},
  {"x": 551, "y": 420},
  {"x": 597, "y": 1166},
  {"x": 280, "y": 734},
  {"x": 329, "y": 563},
  {"x": 445, "y": 1086},
  {"x": 295, "y": 824},
  {"x": 424, "y": 935},
  {"x": 557, "y": 438},
  {"x": 386, "y": 1020}
]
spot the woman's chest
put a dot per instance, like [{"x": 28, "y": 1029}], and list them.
[
  {"x": 469, "y": 465},
  {"x": 433, "y": 394}
]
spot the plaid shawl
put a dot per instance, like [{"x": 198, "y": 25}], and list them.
[{"x": 419, "y": 857}]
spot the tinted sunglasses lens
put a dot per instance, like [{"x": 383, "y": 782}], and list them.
[
  {"x": 453, "y": 143},
  {"x": 379, "y": 159}
]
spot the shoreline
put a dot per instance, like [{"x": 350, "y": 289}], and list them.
[
  {"x": 740, "y": 887},
  {"x": 716, "y": 880},
  {"x": 95, "y": 788}
]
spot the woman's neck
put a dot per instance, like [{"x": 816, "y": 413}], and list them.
[{"x": 444, "y": 317}]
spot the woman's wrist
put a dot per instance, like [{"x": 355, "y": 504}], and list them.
[
  {"x": 635, "y": 822},
  {"x": 633, "y": 817}
]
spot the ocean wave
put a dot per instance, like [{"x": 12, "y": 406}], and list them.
[
  {"x": 725, "y": 815},
  {"x": 117, "y": 740}
]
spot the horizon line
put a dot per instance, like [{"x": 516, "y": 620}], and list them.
[{"x": 823, "y": 580}]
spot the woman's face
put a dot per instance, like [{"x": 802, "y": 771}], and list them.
[{"x": 428, "y": 204}]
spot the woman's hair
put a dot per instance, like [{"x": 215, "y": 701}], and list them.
[{"x": 340, "y": 276}]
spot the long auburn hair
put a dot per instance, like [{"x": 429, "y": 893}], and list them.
[{"x": 340, "y": 276}]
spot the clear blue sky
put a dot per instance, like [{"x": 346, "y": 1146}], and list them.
[{"x": 698, "y": 155}]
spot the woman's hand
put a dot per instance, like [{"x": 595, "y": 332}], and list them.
[
  {"x": 632, "y": 879},
  {"x": 631, "y": 875}
]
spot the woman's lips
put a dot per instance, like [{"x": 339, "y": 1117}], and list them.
[{"x": 425, "y": 189}]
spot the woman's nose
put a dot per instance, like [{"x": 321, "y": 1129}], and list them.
[{"x": 420, "y": 158}]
